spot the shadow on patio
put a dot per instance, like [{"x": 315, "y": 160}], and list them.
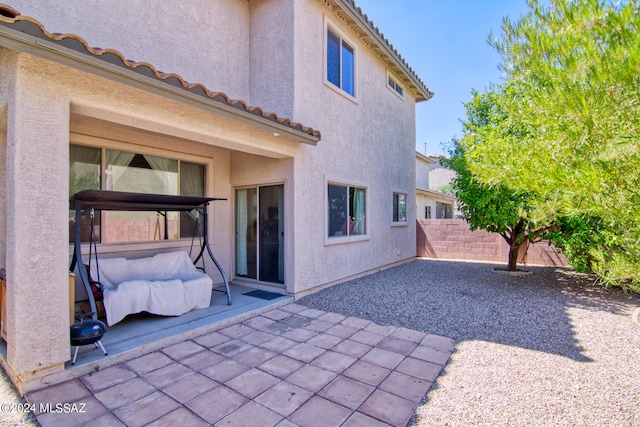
[{"x": 143, "y": 333}]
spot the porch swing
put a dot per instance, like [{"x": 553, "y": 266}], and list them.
[{"x": 91, "y": 200}]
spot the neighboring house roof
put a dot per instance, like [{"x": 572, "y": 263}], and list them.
[
  {"x": 371, "y": 35},
  {"x": 432, "y": 193},
  {"x": 427, "y": 159},
  {"x": 29, "y": 35}
]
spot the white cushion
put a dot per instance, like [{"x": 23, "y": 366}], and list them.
[{"x": 166, "y": 284}]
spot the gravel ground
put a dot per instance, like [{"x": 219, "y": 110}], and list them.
[
  {"x": 548, "y": 349},
  {"x": 10, "y": 415}
]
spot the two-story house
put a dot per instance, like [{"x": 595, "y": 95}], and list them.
[
  {"x": 299, "y": 113},
  {"x": 431, "y": 179}
]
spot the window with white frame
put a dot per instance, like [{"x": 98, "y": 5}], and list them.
[
  {"x": 347, "y": 210},
  {"x": 340, "y": 62},
  {"x": 94, "y": 168},
  {"x": 399, "y": 207},
  {"x": 394, "y": 85}
]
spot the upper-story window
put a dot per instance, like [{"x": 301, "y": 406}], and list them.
[
  {"x": 340, "y": 62},
  {"x": 394, "y": 85}
]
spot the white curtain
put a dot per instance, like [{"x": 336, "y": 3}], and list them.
[
  {"x": 84, "y": 169},
  {"x": 191, "y": 184},
  {"x": 280, "y": 234},
  {"x": 166, "y": 170},
  {"x": 359, "y": 211},
  {"x": 191, "y": 179},
  {"x": 241, "y": 232},
  {"x": 117, "y": 163}
]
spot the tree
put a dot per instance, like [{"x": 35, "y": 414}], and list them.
[
  {"x": 572, "y": 89},
  {"x": 446, "y": 189},
  {"x": 494, "y": 208}
]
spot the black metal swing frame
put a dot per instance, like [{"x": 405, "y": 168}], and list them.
[{"x": 90, "y": 200}]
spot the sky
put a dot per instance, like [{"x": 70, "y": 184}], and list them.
[{"x": 445, "y": 42}]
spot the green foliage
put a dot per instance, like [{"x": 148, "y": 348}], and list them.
[
  {"x": 497, "y": 208},
  {"x": 492, "y": 208},
  {"x": 447, "y": 189},
  {"x": 571, "y": 127},
  {"x": 576, "y": 236},
  {"x": 87, "y": 181}
]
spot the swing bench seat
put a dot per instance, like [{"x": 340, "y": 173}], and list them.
[{"x": 166, "y": 284}]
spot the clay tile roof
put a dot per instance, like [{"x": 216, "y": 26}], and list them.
[
  {"x": 12, "y": 18},
  {"x": 385, "y": 50}
]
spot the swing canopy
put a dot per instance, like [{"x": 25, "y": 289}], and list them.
[
  {"x": 124, "y": 201},
  {"x": 90, "y": 200}
]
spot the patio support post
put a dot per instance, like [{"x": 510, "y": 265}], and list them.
[
  {"x": 4, "y": 59},
  {"x": 37, "y": 236}
]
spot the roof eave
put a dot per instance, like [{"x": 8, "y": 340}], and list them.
[
  {"x": 425, "y": 158},
  {"x": 434, "y": 193},
  {"x": 23, "y": 42},
  {"x": 348, "y": 6}
]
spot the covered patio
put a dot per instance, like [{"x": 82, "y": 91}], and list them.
[
  {"x": 143, "y": 333},
  {"x": 286, "y": 365},
  {"x": 94, "y": 112}
]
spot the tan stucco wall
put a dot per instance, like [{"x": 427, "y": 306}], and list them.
[
  {"x": 422, "y": 172},
  {"x": 44, "y": 102},
  {"x": 439, "y": 176},
  {"x": 368, "y": 141},
  {"x": 176, "y": 37},
  {"x": 272, "y": 62},
  {"x": 5, "y": 77},
  {"x": 421, "y": 203},
  {"x": 36, "y": 220}
]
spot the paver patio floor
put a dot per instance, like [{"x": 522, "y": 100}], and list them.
[{"x": 291, "y": 366}]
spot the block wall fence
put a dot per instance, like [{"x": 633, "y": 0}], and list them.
[{"x": 452, "y": 239}]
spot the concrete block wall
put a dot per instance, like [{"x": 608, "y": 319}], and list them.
[{"x": 452, "y": 239}]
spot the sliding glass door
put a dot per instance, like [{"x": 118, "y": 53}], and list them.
[{"x": 260, "y": 233}]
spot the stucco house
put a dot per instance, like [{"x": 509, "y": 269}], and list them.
[
  {"x": 431, "y": 176},
  {"x": 299, "y": 113}
]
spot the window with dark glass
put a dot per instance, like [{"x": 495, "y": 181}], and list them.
[
  {"x": 84, "y": 174},
  {"x": 395, "y": 86},
  {"x": 115, "y": 170},
  {"x": 347, "y": 210},
  {"x": 444, "y": 210},
  {"x": 399, "y": 207},
  {"x": 260, "y": 233},
  {"x": 340, "y": 63}
]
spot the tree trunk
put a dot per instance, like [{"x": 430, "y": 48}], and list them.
[{"x": 514, "y": 249}]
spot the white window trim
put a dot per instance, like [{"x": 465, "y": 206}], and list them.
[
  {"x": 328, "y": 25},
  {"x": 400, "y": 223},
  {"x": 397, "y": 82},
  {"x": 338, "y": 240}
]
